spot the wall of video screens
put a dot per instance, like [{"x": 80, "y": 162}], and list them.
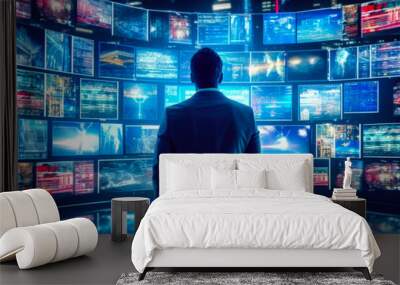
[{"x": 94, "y": 77}]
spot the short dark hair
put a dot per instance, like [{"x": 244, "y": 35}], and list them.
[{"x": 206, "y": 68}]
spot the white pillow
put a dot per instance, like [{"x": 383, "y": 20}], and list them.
[
  {"x": 227, "y": 179},
  {"x": 282, "y": 174},
  {"x": 223, "y": 179},
  {"x": 184, "y": 178},
  {"x": 251, "y": 178}
]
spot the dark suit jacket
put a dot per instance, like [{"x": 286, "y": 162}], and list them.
[{"x": 208, "y": 122}]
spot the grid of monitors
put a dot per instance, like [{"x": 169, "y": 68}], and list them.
[{"x": 92, "y": 86}]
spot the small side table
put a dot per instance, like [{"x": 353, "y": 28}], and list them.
[
  {"x": 119, "y": 209},
  {"x": 358, "y": 206}
]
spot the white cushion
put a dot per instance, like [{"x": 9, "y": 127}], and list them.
[
  {"x": 284, "y": 174},
  {"x": 183, "y": 178},
  {"x": 224, "y": 179},
  {"x": 251, "y": 178}
]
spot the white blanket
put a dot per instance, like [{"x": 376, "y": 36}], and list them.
[{"x": 250, "y": 219}]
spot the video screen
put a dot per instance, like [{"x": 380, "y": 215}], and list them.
[
  {"x": 319, "y": 25},
  {"x": 23, "y": 9},
  {"x": 184, "y": 65},
  {"x": 83, "y": 56},
  {"x": 30, "y": 46},
  {"x": 267, "y": 66},
  {"x": 396, "y": 99},
  {"x": 58, "y": 51},
  {"x": 382, "y": 175},
  {"x": 111, "y": 139},
  {"x": 94, "y": 14},
  {"x": 350, "y": 18},
  {"x": 279, "y": 28},
  {"x": 235, "y": 66},
  {"x": 380, "y": 17},
  {"x": 131, "y": 23},
  {"x": 285, "y": 139},
  {"x": 307, "y": 65},
  {"x": 239, "y": 94},
  {"x": 140, "y": 101},
  {"x": 30, "y": 93},
  {"x": 325, "y": 140},
  {"x": 99, "y": 99},
  {"x": 156, "y": 64},
  {"x": 25, "y": 175},
  {"x": 213, "y": 29},
  {"x": 361, "y": 97},
  {"x": 241, "y": 28},
  {"x": 337, "y": 140},
  {"x": 61, "y": 101},
  {"x": 116, "y": 61},
  {"x": 343, "y": 63},
  {"x": 84, "y": 182},
  {"x": 75, "y": 138},
  {"x": 347, "y": 141},
  {"x": 57, "y": 11},
  {"x": 357, "y": 165},
  {"x": 364, "y": 61},
  {"x": 381, "y": 140},
  {"x": 272, "y": 102},
  {"x": 56, "y": 177},
  {"x": 180, "y": 29},
  {"x": 158, "y": 27},
  {"x": 385, "y": 59},
  {"x": 175, "y": 94},
  {"x": 125, "y": 175},
  {"x": 140, "y": 139},
  {"x": 320, "y": 102},
  {"x": 32, "y": 139},
  {"x": 321, "y": 173}
]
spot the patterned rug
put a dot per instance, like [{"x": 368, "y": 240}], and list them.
[{"x": 243, "y": 278}]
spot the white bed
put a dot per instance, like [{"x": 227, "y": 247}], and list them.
[{"x": 216, "y": 224}]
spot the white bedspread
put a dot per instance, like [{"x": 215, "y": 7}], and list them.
[{"x": 250, "y": 219}]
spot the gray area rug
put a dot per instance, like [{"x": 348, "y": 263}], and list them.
[{"x": 243, "y": 278}]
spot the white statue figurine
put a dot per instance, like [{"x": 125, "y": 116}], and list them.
[{"x": 348, "y": 172}]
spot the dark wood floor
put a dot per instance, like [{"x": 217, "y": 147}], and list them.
[{"x": 110, "y": 260}]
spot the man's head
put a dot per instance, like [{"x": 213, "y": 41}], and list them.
[{"x": 206, "y": 68}]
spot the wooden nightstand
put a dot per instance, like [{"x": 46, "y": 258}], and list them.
[{"x": 358, "y": 205}]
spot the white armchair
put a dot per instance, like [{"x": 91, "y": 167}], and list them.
[{"x": 31, "y": 230}]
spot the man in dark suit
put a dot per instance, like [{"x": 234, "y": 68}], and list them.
[{"x": 208, "y": 122}]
